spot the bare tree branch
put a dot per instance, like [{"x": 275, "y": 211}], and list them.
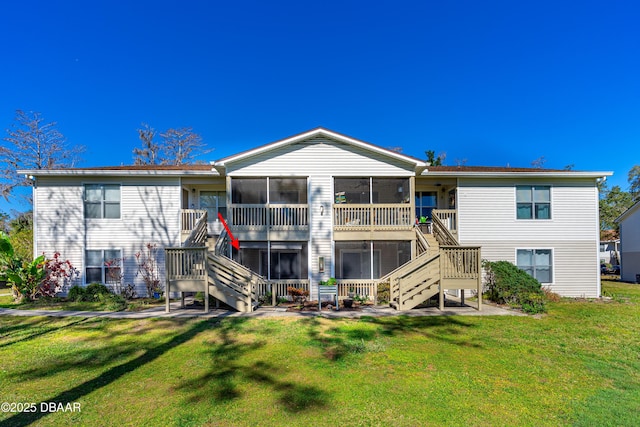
[
  {"x": 33, "y": 144},
  {"x": 149, "y": 154},
  {"x": 182, "y": 145}
]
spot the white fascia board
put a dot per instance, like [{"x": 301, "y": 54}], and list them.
[
  {"x": 107, "y": 172},
  {"x": 550, "y": 174},
  {"x": 314, "y": 133}
]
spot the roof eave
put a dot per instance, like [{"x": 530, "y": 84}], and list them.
[
  {"x": 107, "y": 172},
  {"x": 628, "y": 212},
  {"x": 519, "y": 174}
]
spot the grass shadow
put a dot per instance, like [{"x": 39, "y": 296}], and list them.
[
  {"x": 76, "y": 393},
  {"x": 7, "y": 332},
  {"x": 220, "y": 382}
]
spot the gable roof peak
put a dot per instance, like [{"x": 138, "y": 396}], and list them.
[{"x": 314, "y": 133}]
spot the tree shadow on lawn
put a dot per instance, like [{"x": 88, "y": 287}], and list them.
[
  {"x": 344, "y": 339},
  {"x": 40, "y": 326},
  {"x": 219, "y": 384},
  {"x": 99, "y": 356}
]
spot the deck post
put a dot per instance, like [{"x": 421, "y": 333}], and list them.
[
  {"x": 479, "y": 261},
  {"x": 206, "y": 283},
  {"x": 441, "y": 296},
  {"x": 166, "y": 296},
  {"x": 273, "y": 295}
]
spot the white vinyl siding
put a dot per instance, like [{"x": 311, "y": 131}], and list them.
[
  {"x": 149, "y": 213},
  {"x": 630, "y": 244},
  {"x": 486, "y": 217},
  {"x": 318, "y": 157},
  {"x": 320, "y": 229}
]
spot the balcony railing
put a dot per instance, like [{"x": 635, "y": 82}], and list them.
[
  {"x": 449, "y": 218},
  {"x": 273, "y": 217},
  {"x": 355, "y": 217}
]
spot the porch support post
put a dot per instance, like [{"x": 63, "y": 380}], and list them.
[
  {"x": 166, "y": 295},
  {"x": 273, "y": 295},
  {"x": 441, "y": 296},
  {"x": 479, "y": 262},
  {"x": 205, "y": 281}
]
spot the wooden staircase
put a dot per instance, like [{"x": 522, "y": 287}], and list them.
[
  {"x": 441, "y": 263},
  {"x": 414, "y": 282},
  {"x": 195, "y": 267},
  {"x": 232, "y": 283}
]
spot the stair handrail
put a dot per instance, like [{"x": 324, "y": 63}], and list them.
[
  {"x": 198, "y": 235},
  {"x": 250, "y": 279},
  {"x": 442, "y": 233},
  {"x": 404, "y": 270},
  {"x": 222, "y": 244},
  {"x": 422, "y": 245}
]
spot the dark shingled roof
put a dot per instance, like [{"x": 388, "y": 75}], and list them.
[
  {"x": 489, "y": 169},
  {"x": 185, "y": 167}
]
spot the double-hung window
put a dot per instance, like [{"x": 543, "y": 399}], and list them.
[
  {"x": 537, "y": 262},
  {"x": 103, "y": 266},
  {"x": 102, "y": 201},
  {"x": 533, "y": 202}
]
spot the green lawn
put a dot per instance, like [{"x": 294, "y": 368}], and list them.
[{"x": 577, "y": 365}]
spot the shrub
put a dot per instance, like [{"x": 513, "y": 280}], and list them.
[
  {"x": 77, "y": 293},
  {"x": 60, "y": 273},
  {"x": 94, "y": 291},
  {"x": 383, "y": 293},
  {"x": 298, "y": 295},
  {"x": 507, "y": 284},
  {"x": 112, "y": 302}
]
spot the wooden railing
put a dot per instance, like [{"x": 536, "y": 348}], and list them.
[
  {"x": 222, "y": 244},
  {"x": 233, "y": 283},
  {"x": 412, "y": 278},
  {"x": 189, "y": 219},
  {"x": 448, "y": 217},
  {"x": 279, "y": 288},
  {"x": 372, "y": 217},
  {"x": 269, "y": 216},
  {"x": 186, "y": 263},
  {"x": 442, "y": 233},
  {"x": 422, "y": 245},
  {"x": 198, "y": 235},
  {"x": 460, "y": 262},
  {"x": 358, "y": 287}
]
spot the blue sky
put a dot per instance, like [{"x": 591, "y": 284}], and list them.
[{"x": 488, "y": 82}]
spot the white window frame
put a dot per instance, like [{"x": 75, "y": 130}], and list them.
[
  {"x": 552, "y": 266},
  {"x": 103, "y": 266},
  {"x": 103, "y": 201},
  {"x": 533, "y": 201}
]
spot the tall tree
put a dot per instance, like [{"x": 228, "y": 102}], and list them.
[
  {"x": 612, "y": 204},
  {"x": 634, "y": 182},
  {"x": 182, "y": 145},
  {"x": 433, "y": 160},
  {"x": 32, "y": 143},
  {"x": 538, "y": 163},
  {"x": 176, "y": 146},
  {"x": 150, "y": 153}
]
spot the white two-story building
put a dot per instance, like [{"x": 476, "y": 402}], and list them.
[{"x": 321, "y": 204}]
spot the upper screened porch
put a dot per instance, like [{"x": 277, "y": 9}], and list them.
[{"x": 288, "y": 206}]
